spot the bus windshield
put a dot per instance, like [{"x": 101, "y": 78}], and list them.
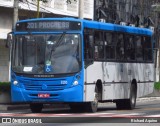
[{"x": 46, "y": 54}]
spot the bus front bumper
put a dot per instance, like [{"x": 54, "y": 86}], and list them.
[{"x": 74, "y": 94}]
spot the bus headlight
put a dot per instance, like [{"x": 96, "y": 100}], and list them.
[
  {"x": 75, "y": 83},
  {"x": 15, "y": 83}
]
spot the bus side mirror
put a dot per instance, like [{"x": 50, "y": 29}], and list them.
[{"x": 9, "y": 40}]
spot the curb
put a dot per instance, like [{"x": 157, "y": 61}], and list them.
[
  {"x": 8, "y": 107},
  {"x": 147, "y": 99}
]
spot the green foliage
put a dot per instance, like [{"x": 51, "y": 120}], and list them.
[
  {"x": 157, "y": 85},
  {"x": 5, "y": 86}
]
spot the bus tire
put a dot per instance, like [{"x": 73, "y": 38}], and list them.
[
  {"x": 128, "y": 103},
  {"x": 36, "y": 107},
  {"x": 131, "y": 102},
  {"x": 92, "y": 106}
]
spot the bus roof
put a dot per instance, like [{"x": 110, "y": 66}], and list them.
[
  {"x": 116, "y": 27},
  {"x": 99, "y": 25}
]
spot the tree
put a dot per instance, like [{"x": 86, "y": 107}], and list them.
[{"x": 44, "y": 1}]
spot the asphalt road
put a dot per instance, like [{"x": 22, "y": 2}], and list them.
[{"x": 146, "y": 113}]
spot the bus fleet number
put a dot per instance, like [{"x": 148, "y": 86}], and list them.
[{"x": 64, "y": 82}]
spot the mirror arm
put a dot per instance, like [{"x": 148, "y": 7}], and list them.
[{"x": 9, "y": 39}]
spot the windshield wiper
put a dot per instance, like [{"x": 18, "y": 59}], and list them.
[{"x": 54, "y": 46}]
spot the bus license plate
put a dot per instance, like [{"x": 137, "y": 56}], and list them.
[{"x": 43, "y": 95}]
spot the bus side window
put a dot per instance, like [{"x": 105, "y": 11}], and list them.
[
  {"x": 120, "y": 47},
  {"x": 129, "y": 48},
  {"x": 147, "y": 49},
  {"x": 99, "y": 45},
  {"x": 88, "y": 50},
  {"x": 139, "y": 48},
  {"x": 109, "y": 46}
]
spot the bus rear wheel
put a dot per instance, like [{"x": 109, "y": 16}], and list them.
[
  {"x": 131, "y": 102},
  {"x": 92, "y": 106},
  {"x": 128, "y": 103},
  {"x": 36, "y": 107}
]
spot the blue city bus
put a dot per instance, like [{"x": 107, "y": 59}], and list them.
[{"x": 80, "y": 63}]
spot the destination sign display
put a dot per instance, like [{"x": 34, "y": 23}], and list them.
[{"x": 48, "y": 25}]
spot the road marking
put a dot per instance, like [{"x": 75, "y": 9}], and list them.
[
  {"x": 153, "y": 115},
  {"x": 72, "y": 115}
]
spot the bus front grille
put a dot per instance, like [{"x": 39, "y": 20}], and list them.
[{"x": 41, "y": 87}]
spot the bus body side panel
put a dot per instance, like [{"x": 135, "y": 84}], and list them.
[
  {"x": 113, "y": 77},
  {"x": 145, "y": 81},
  {"x": 116, "y": 79}
]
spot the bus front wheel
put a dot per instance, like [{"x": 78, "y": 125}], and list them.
[{"x": 36, "y": 107}]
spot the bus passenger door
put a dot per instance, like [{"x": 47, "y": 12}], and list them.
[{"x": 88, "y": 60}]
